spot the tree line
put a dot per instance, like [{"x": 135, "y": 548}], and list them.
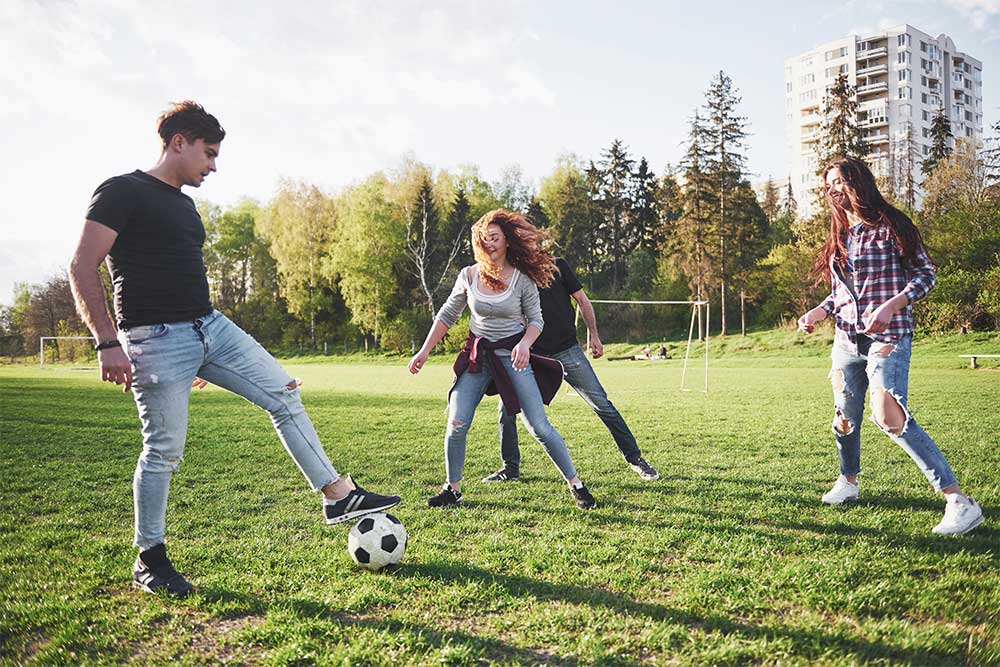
[{"x": 368, "y": 266}]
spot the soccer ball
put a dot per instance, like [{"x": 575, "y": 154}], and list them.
[{"x": 377, "y": 540}]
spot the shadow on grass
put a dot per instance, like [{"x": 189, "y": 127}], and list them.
[
  {"x": 810, "y": 643},
  {"x": 432, "y": 635}
]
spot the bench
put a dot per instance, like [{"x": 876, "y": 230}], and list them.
[{"x": 972, "y": 358}]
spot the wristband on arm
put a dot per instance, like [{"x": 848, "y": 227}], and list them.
[{"x": 107, "y": 345}]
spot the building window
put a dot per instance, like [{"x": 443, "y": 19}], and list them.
[
  {"x": 832, "y": 72},
  {"x": 905, "y": 93},
  {"x": 807, "y": 96},
  {"x": 788, "y": 87},
  {"x": 968, "y": 115},
  {"x": 806, "y": 79},
  {"x": 925, "y": 116},
  {"x": 923, "y": 47},
  {"x": 903, "y": 58},
  {"x": 904, "y": 75},
  {"x": 903, "y": 40}
]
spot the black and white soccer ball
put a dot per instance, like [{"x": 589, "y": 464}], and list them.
[{"x": 377, "y": 540}]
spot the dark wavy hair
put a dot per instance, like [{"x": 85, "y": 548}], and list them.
[
  {"x": 189, "y": 119},
  {"x": 525, "y": 249},
  {"x": 866, "y": 202}
]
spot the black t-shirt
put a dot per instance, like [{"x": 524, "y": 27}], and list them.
[
  {"x": 559, "y": 332},
  {"x": 156, "y": 262}
]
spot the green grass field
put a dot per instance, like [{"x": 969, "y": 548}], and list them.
[{"x": 729, "y": 559}]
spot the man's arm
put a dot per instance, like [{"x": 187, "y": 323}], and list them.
[
  {"x": 88, "y": 293},
  {"x": 587, "y": 311}
]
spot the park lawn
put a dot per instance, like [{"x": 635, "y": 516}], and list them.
[{"x": 729, "y": 559}]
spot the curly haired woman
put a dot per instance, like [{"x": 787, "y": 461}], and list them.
[{"x": 501, "y": 290}]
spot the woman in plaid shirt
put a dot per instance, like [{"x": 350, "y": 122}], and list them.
[{"x": 877, "y": 263}]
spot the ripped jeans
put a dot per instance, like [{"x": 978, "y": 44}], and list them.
[
  {"x": 879, "y": 367},
  {"x": 465, "y": 396},
  {"x": 165, "y": 360}
]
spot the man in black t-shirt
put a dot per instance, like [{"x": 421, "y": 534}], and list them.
[
  {"x": 558, "y": 340},
  {"x": 167, "y": 334}
]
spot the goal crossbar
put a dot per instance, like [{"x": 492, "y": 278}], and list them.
[
  {"x": 41, "y": 345},
  {"x": 696, "y": 307}
]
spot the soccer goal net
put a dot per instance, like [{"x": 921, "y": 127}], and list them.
[
  {"x": 66, "y": 349},
  {"x": 655, "y": 330}
]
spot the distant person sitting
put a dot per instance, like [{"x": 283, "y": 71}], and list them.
[
  {"x": 662, "y": 353},
  {"x": 558, "y": 340}
]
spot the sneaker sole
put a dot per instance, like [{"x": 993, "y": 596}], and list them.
[
  {"x": 839, "y": 502},
  {"x": 973, "y": 525},
  {"x": 146, "y": 589},
  {"x": 487, "y": 480},
  {"x": 457, "y": 503},
  {"x": 356, "y": 513}
]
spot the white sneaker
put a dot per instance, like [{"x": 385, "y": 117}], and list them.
[
  {"x": 961, "y": 514},
  {"x": 841, "y": 492}
]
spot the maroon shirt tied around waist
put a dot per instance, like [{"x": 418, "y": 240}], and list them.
[{"x": 478, "y": 351}]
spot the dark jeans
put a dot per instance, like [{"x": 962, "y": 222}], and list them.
[{"x": 580, "y": 375}]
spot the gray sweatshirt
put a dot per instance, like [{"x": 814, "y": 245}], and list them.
[{"x": 494, "y": 316}]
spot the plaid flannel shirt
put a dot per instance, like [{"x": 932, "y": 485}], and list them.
[{"x": 879, "y": 274}]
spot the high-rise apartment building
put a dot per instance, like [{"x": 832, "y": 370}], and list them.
[{"x": 902, "y": 77}]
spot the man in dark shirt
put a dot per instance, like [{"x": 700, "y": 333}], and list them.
[
  {"x": 167, "y": 334},
  {"x": 558, "y": 340}
]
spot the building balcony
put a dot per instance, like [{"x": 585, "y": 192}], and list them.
[
  {"x": 874, "y": 70},
  {"x": 874, "y": 122},
  {"x": 879, "y": 138},
  {"x": 873, "y": 53},
  {"x": 873, "y": 88},
  {"x": 811, "y": 137}
]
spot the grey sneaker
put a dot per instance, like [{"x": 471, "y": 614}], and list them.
[
  {"x": 505, "y": 474},
  {"x": 643, "y": 469}
]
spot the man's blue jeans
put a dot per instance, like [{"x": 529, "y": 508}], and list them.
[
  {"x": 466, "y": 394},
  {"x": 875, "y": 365},
  {"x": 580, "y": 375},
  {"x": 165, "y": 360}
]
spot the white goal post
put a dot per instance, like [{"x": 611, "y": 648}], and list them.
[
  {"x": 41, "y": 345},
  {"x": 696, "y": 307}
]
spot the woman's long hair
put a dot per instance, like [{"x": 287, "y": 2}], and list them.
[
  {"x": 524, "y": 249},
  {"x": 866, "y": 202}
]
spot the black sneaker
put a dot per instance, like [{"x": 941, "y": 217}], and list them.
[
  {"x": 154, "y": 573},
  {"x": 582, "y": 497},
  {"x": 447, "y": 497},
  {"x": 505, "y": 474},
  {"x": 358, "y": 501},
  {"x": 643, "y": 469}
]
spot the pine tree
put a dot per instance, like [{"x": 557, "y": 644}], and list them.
[
  {"x": 645, "y": 231},
  {"x": 726, "y": 133},
  {"x": 790, "y": 207},
  {"x": 692, "y": 231},
  {"x": 771, "y": 204},
  {"x": 905, "y": 156},
  {"x": 459, "y": 225},
  {"x": 940, "y": 138},
  {"x": 536, "y": 213},
  {"x": 841, "y": 136},
  {"x": 616, "y": 170}
]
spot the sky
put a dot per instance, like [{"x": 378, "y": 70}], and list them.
[{"x": 330, "y": 92}]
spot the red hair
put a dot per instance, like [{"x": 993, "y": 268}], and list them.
[
  {"x": 524, "y": 249},
  {"x": 866, "y": 202}
]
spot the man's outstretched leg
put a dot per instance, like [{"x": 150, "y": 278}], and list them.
[{"x": 235, "y": 361}]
